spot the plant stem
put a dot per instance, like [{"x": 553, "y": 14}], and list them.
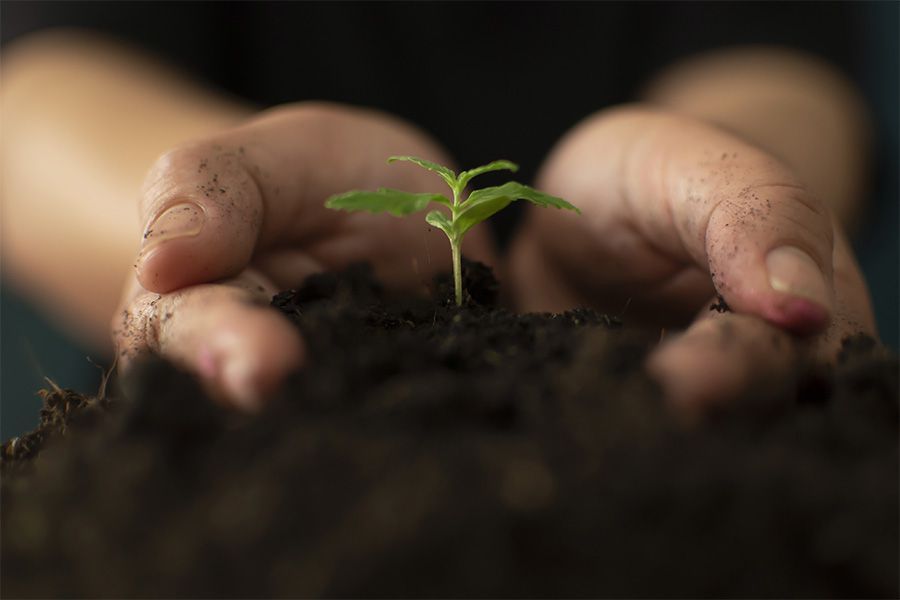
[
  {"x": 454, "y": 247},
  {"x": 457, "y": 271}
]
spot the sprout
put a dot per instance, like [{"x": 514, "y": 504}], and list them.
[{"x": 464, "y": 214}]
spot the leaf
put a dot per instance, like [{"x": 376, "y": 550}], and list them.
[
  {"x": 465, "y": 177},
  {"x": 446, "y": 174},
  {"x": 484, "y": 203},
  {"x": 438, "y": 219},
  {"x": 395, "y": 202}
]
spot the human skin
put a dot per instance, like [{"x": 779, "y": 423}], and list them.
[
  {"x": 246, "y": 209},
  {"x": 246, "y": 219},
  {"x": 677, "y": 210},
  {"x": 83, "y": 118},
  {"x": 230, "y": 212}
]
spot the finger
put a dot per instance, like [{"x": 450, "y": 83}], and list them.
[
  {"x": 226, "y": 334},
  {"x": 664, "y": 192},
  {"x": 208, "y": 206},
  {"x": 853, "y": 313},
  {"x": 287, "y": 268},
  {"x": 724, "y": 355},
  {"x": 721, "y": 357}
]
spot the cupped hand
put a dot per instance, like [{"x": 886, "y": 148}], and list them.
[
  {"x": 228, "y": 221},
  {"x": 677, "y": 216}
]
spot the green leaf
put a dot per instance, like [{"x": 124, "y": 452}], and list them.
[
  {"x": 395, "y": 202},
  {"x": 484, "y": 203},
  {"x": 438, "y": 219},
  {"x": 465, "y": 177},
  {"x": 446, "y": 174}
]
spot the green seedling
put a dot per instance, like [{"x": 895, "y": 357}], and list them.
[{"x": 464, "y": 214}]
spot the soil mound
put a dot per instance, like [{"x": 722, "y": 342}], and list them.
[{"x": 433, "y": 451}]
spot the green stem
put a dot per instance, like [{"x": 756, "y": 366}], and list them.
[
  {"x": 457, "y": 271},
  {"x": 454, "y": 247}
]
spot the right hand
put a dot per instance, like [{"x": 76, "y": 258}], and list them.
[
  {"x": 230, "y": 220},
  {"x": 675, "y": 213}
]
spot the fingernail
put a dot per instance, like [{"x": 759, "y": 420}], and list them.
[
  {"x": 237, "y": 376},
  {"x": 793, "y": 271},
  {"x": 179, "y": 221}
]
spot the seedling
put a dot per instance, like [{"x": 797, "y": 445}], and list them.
[{"x": 479, "y": 206}]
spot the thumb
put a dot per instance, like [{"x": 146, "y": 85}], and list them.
[
  {"x": 202, "y": 215},
  {"x": 209, "y": 207},
  {"x": 741, "y": 214},
  {"x": 700, "y": 198},
  {"x": 769, "y": 250}
]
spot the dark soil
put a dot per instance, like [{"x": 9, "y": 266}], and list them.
[{"x": 432, "y": 451}]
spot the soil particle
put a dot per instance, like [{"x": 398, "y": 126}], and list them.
[
  {"x": 720, "y": 306},
  {"x": 430, "y": 450}
]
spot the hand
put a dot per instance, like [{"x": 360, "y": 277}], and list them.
[
  {"x": 231, "y": 220},
  {"x": 675, "y": 212}
]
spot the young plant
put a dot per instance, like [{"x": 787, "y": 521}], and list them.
[{"x": 464, "y": 213}]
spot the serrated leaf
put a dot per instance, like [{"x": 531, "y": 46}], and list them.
[
  {"x": 446, "y": 174},
  {"x": 465, "y": 177},
  {"x": 394, "y": 202},
  {"x": 484, "y": 203},
  {"x": 476, "y": 213},
  {"x": 438, "y": 219}
]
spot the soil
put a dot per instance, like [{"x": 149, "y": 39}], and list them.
[{"x": 435, "y": 451}]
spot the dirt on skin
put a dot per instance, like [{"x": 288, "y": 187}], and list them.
[{"x": 433, "y": 451}]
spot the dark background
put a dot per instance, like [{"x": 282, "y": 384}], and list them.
[{"x": 488, "y": 80}]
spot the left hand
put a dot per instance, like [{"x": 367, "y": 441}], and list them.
[
  {"x": 232, "y": 218},
  {"x": 676, "y": 211}
]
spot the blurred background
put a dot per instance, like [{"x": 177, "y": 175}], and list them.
[{"x": 486, "y": 79}]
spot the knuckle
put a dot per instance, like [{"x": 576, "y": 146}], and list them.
[
  {"x": 192, "y": 169},
  {"x": 171, "y": 167},
  {"x": 801, "y": 217},
  {"x": 172, "y": 161},
  {"x": 785, "y": 206}
]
